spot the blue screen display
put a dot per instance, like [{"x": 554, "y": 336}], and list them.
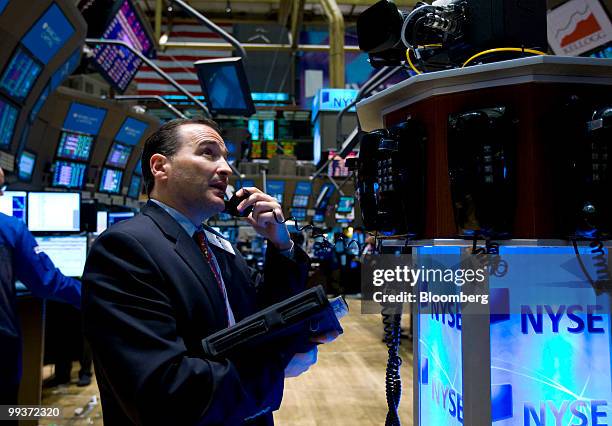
[
  {"x": 254, "y": 129},
  {"x": 66, "y": 69},
  {"x": 111, "y": 181},
  {"x": 25, "y": 168},
  {"x": 84, "y": 118},
  {"x": 20, "y": 75},
  {"x": 276, "y": 188},
  {"x": 131, "y": 131},
  {"x": 69, "y": 175},
  {"x": 39, "y": 103},
  {"x": 224, "y": 88},
  {"x": 8, "y": 118},
  {"x": 138, "y": 168},
  {"x": 49, "y": 34},
  {"x": 268, "y": 130},
  {"x": 74, "y": 146},
  {"x": 3, "y": 4},
  {"x": 135, "y": 185},
  {"x": 118, "y": 155},
  {"x": 303, "y": 188}
]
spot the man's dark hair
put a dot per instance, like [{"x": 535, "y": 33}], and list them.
[{"x": 166, "y": 141}]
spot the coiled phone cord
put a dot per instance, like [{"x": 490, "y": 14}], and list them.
[
  {"x": 393, "y": 380},
  {"x": 604, "y": 281}
]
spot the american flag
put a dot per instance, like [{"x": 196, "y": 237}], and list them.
[{"x": 178, "y": 63}]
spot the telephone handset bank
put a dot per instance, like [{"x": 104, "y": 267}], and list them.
[
  {"x": 481, "y": 167},
  {"x": 231, "y": 205},
  {"x": 391, "y": 179}
]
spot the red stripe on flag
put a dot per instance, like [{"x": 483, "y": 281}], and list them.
[{"x": 161, "y": 80}]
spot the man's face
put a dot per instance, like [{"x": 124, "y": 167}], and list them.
[{"x": 199, "y": 172}]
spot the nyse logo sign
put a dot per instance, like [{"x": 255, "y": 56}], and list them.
[
  {"x": 574, "y": 319},
  {"x": 577, "y": 413},
  {"x": 577, "y": 27}
]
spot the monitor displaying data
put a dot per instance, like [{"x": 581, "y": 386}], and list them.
[
  {"x": 325, "y": 193},
  {"x": 68, "y": 253},
  {"x": 131, "y": 131},
  {"x": 25, "y": 166},
  {"x": 13, "y": 203},
  {"x": 268, "y": 130},
  {"x": 49, "y": 34},
  {"x": 75, "y": 146},
  {"x": 111, "y": 181},
  {"x": 66, "y": 69},
  {"x": 118, "y": 155},
  {"x": 119, "y": 217},
  {"x": 345, "y": 204},
  {"x": 67, "y": 174},
  {"x": 225, "y": 86},
  {"x": 276, "y": 188},
  {"x": 254, "y": 129},
  {"x": 8, "y": 118},
  {"x": 54, "y": 211},
  {"x": 302, "y": 194},
  {"x": 20, "y": 75},
  {"x": 118, "y": 64},
  {"x": 39, "y": 103},
  {"x": 135, "y": 186},
  {"x": 102, "y": 221},
  {"x": 298, "y": 213},
  {"x": 84, "y": 118}
]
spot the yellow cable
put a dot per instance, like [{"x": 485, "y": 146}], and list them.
[
  {"x": 410, "y": 62},
  {"x": 503, "y": 49}
]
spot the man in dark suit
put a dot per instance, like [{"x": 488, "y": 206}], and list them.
[{"x": 156, "y": 285}]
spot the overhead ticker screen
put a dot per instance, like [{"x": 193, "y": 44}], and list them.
[
  {"x": 20, "y": 74},
  {"x": 75, "y": 146},
  {"x": 119, "y": 65},
  {"x": 25, "y": 167},
  {"x": 54, "y": 211},
  {"x": 39, "y": 103},
  {"x": 66, "y": 69},
  {"x": 118, "y": 155},
  {"x": 84, "y": 118},
  {"x": 131, "y": 131},
  {"x": 68, "y": 174},
  {"x": 111, "y": 181},
  {"x": 8, "y": 118},
  {"x": 49, "y": 34}
]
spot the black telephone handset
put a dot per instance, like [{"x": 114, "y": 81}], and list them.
[
  {"x": 481, "y": 165},
  {"x": 231, "y": 205}
]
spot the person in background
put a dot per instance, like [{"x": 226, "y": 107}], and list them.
[{"x": 21, "y": 259}]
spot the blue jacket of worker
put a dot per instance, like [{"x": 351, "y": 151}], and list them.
[{"x": 21, "y": 259}]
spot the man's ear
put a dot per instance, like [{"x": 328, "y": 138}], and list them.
[{"x": 159, "y": 166}]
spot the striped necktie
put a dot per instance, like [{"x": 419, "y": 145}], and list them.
[{"x": 200, "y": 238}]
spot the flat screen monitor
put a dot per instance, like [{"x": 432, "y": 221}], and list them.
[
  {"x": 119, "y": 217},
  {"x": 66, "y": 69},
  {"x": 39, "y": 103},
  {"x": 135, "y": 186},
  {"x": 298, "y": 213},
  {"x": 319, "y": 217},
  {"x": 324, "y": 195},
  {"x": 345, "y": 204},
  {"x": 54, "y": 211},
  {"x": 118, "y": 155},
  {"x": 84, "y": 118},
  {"x": 254, "y": 129},
  {"x": 67, "y": 174},
  {"x": 25, "y": 166},
  {"x": 131, "y": 131},
  {"x": 276, "y": 188},
  {"x": 225, "y": 86},
  {"x": 8, "y": 118},
  {"x": 138, "y": 168},
  {"x": 300, "y": 200},
  {"x": 49, "y": 34},
  {"x": 111, "y": 180},
  {"x": 20, "y": 75},
  {"x": 13, "y": 203},
  {"x": 117, "y": 64},
  {"x": 101, "y": 221},
  {"x": 268, "y": 130},
  {"x": 68, "y": 253},
  {"x": 75, "y": 146}
]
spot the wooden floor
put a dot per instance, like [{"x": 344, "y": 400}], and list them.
[{"x": 345, "y": 387}]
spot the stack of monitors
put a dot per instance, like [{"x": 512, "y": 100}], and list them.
[
  {"x": 39, "y": 46},
  {"x": 117, "y": 64},
  {"x": 25, "y": 166},
  {"x": 128, "y": 136}
]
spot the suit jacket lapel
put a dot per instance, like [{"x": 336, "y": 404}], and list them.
[{"x": 189, "y": 251}]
